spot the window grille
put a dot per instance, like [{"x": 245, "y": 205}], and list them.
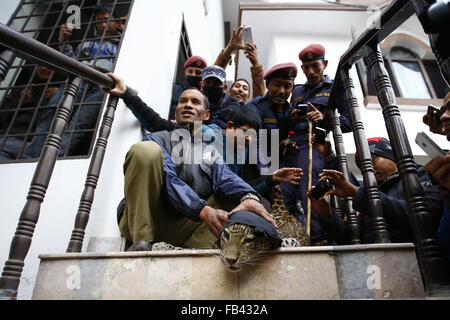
[{"x": 30, "y": 94}]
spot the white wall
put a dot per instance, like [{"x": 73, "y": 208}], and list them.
[
  {"x": 147, "y": 62},
  {"x": 8, "y": 7}
]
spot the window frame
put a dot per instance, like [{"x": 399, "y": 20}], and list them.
[
  {"x": 423, "y": 71},
  {"x": 20, "y": 67},
  {"x": 420, "y": 50}
]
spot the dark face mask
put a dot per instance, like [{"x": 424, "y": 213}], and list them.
[
  {"x": 214, "y": 94},
  {"x": 194, "y": 81}
]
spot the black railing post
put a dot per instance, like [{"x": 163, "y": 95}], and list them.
[
  {"x": 365, "y": 159},
  {"x": 343, "y": 167},
  {"x": 87, "y": 198},
  {"x": 6, "y": 60},
  {"x": 21, "y": 242},
  {"x": 433, "y": 266}
]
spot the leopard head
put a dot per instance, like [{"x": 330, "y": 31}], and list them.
[{"x": 240, "y": 246}]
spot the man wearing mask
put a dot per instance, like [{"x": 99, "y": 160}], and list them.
[
  {"x": 193, "y": 68},
  {"x": 214, "y": 87}
]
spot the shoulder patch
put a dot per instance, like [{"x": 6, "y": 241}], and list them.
[{"x": 272, "y": 121}]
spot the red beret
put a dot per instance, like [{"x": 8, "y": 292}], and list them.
[
  {"x": 195, "y": 61},
  {"x": 283, "y": 70},
  {"x": 312, "y": 52}
]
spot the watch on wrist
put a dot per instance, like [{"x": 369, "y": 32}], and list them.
[{"x": 250, "y": 196}]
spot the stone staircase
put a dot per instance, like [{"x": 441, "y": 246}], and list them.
[{"x": 376, "y": 271}]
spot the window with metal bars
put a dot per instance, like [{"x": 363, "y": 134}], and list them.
[{"x": 30, "y": 93}]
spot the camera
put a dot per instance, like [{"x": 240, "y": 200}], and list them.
[
  {"x": 303, "y": 109},
  {"x": 321, "y": 188}
]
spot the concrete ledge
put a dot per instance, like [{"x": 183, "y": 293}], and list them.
[
  {"x": 376, "y": 271},
  {"x": 184, "y": 253}
]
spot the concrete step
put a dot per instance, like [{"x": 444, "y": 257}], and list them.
[
  {"x": 106, "y": 244},
  {"x": 377, "y": 271}
]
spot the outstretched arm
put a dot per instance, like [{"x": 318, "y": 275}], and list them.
[
  {"x": 235, "y": 43},
  {"x": 257, "y": 70},
  {"x": 148, "y": 117}
]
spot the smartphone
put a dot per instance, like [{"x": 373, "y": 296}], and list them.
[
  {"x": 434, "y": 116},
  {"x": 432, "y": 109},
  {"x": 303, "y": 107},
  {"x": 428, "y": 145},
  {"x": 320, "y": 135},
  {"x": 247, "y": 34}
]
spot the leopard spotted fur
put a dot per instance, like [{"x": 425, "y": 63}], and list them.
[{"x": 288, "y": 225}]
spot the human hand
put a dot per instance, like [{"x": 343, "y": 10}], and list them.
[
  {"x": 256, "y": 207},
  {"x": 120, "y": 86},
  {"x": 439, "y": 168},
  {"x": 288, "y": 175},
  {"x": 236, "y": 42},
  {"x": 214, "y": 219},
  {"x": 314, "y": 115},
  {"x": 122, "y": 22},
  {"x": 50, "y": 92},
  {"x": 287, "y": 145},
  {"x": 26, "y": 95},
  {"x": 325, "y": 150},
  {"x": 321, "y": 206},
  {"x": 251, "y": 52},
  {"x": 342, "y": 187},
  {"x": 433, "y": 121},
  {"x": 296, "y": 117},
  {"x": 65, "y": 32}
]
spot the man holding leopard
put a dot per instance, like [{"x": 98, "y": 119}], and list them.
[{"x": 181, "y": 204}]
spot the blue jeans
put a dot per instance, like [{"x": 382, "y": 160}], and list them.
[
  {"x": 11, "y": 148},
  {"x": 86, "y": 119}
]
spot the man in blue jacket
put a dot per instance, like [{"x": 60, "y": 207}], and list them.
[{"x": 171, "y": 197}]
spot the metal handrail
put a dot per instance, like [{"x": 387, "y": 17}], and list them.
[
  {"x": 32, "y": 50},
  {"x": 39, "y": 53}
]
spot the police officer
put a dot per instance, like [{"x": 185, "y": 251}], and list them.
[
  {"x": 317, "y": 88},
  {"x": 315, "y": 93},
  {"x": 193, "y": 68},
  {"x": 274, "y": 107}
]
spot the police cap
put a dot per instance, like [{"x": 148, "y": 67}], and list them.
[
  {"x": 312, "y": 52},
  {"x": 283, "y": 70},
  {"x": 195, "y": 61}
]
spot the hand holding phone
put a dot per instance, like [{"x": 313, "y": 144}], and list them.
[{"x": 433, "y": 119}]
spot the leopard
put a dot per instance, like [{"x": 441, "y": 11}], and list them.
[{"x": 240, "y": 246}]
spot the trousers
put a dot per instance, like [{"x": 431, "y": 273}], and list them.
[{"x": 146, "y": 216}]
